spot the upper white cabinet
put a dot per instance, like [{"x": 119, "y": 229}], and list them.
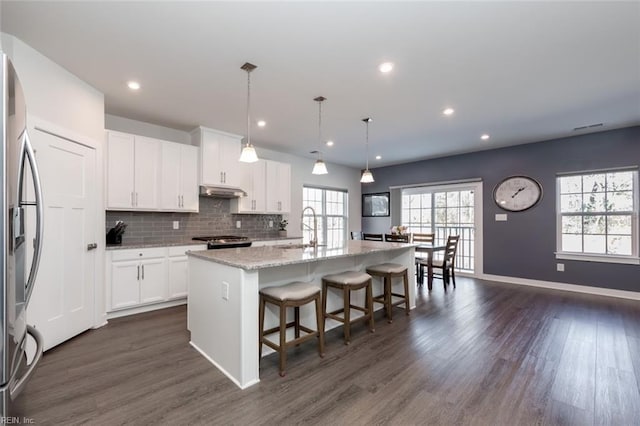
[
  {"x": 179, "y": 178},
  {"x": 253, "y": 183},
  {"x": 219, "y": 154},
  {"x": 278, "y": 187},
  {"x": 268, "y": 187},
  {"x": 150, "y": 174},
  {"x": 133, "y": 166}
]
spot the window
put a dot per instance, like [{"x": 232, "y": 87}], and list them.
[
  {"x": 598, "y": 215},
  {"x": 443, "y": 211},
  {"x": 331, "y": 208}
]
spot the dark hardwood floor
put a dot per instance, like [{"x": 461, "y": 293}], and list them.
[{"x": 482, "y": 354}]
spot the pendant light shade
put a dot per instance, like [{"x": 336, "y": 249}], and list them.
[
  {"x": 367, "y": 176},
  {"x": 248, "y": 154},
  {"x": 319, "y": 167}
]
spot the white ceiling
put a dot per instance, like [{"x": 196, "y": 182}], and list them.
[{"x": 520, "y": 71}]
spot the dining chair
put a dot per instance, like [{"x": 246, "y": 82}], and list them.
[
  {"x": 372, "y": 237},
  {"x": 396, "y": 238},
  {"x": 421, "y": 238},
  {"x": 447, "y": 264},
  {"x": 356, "y": 235}
]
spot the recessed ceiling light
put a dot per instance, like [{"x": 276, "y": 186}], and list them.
[
  {"x": 262, "y": 123},
  {"x": 386, "y": 67},
  {"x": 448, "y": 111},
  {"x": 133, "y": 85},
  {"x": 329, "y": 143},
  {"x": 484, "y": 137},
  {"x": 378, "y": 157}
]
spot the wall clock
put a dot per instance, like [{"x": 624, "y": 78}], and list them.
[{"x": 517, "y": 193}]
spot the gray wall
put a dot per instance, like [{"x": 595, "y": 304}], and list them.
[{"x": 524, "y": 246}]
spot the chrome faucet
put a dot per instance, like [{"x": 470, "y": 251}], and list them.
[{"x": 314, "y": 242}]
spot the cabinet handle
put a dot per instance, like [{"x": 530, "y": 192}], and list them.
[
  {"x": 136, "y": 199},
  {"x": 133, "y": 203},
  {"x": 182, "y": 201},
  {"x": 138, "y": 272},
  {"x": 221, "y": 179},
  {"x": 143, "y": 272},
  {"x": 225, "y": 176}
]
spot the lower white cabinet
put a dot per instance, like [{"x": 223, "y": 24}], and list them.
[{"x": 144, "y": 277}]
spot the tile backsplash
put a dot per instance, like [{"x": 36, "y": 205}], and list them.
[{"x": 214, "y": 218}]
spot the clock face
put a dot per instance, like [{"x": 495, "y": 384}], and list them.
[{"x": 517, "y": 193}]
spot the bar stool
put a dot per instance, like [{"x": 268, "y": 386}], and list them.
[
  {"x": 388, "y": 271},
  {"x": 292, "y": 295},
  {"x": 348, "y": 282}
]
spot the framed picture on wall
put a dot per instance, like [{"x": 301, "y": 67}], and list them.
[{"x": 374, "y": 205}]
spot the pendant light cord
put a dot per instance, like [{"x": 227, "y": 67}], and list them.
[
  {"x": 367, "y": 145},
  {"x": 248, "y": 107}
]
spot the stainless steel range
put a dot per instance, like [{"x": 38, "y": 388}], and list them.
[{"x": 224, "y": 241}]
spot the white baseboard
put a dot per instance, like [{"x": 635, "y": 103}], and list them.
[
  {"x": 145, "y": 308},
  {"x": 599, "y": 291},
  {"x": 219, "y": 367}
]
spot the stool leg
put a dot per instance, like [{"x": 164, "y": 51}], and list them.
[
  {"x": 369, "y": 303},
  {"x": 387, "y": 298},
  {"x": 296, "y": 312},
  {"x": 283, "y": 339},
  {"x": 324, "y": 303},
  {"x": 406, "y": 291},
  {"x": 347, "y": 314},
  {"x": 320, "y": 324},
  {"x": 262, "y": 302}
]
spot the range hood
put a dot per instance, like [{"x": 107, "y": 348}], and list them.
[{"x": 221, "y": 191}]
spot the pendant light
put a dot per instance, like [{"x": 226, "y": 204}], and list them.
[
  {"x": 319, "y": 168},
  {"x": 367, "y": 176},
  {"x": 248, "y": 154}
]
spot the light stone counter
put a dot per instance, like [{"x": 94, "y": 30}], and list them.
[
  {"x": 223, "y": 295},
  {"x": 272, "y": 256}
]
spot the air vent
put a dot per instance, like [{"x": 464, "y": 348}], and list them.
[{"x": 590, "y": 126}]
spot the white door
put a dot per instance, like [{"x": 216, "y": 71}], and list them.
[
  {"x": 170, "y": 186},
  {"x": 229, "y": 155},
  {"x": 153, "y": 281},
  {"x": 62, "y": 304},
  {"x": 120, "y": 171},
  {"x": 125, "y": 284}
]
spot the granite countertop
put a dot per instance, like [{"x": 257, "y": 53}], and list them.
[
  {"x": 187, "y": 242},
  {"x": 251, "y": 258}
]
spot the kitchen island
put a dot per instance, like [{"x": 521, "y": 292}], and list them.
[{"x": 223, "y": 294}]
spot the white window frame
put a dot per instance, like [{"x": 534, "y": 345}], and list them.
[
  {"x": 476, "y": 186},
  {"x": 323, "y": 216},
  {"x": 632, "y": 259}
]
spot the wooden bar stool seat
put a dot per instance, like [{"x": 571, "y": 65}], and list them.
[
  {"x": 348, "y": 282},
  {"x": 388, "y": 271},
  {"x": 286, "y": 296}
]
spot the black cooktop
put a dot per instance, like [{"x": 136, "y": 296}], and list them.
[{"x": 224, "y": 241}]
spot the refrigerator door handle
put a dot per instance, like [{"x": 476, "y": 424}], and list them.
[
  {"x": 21, "y": 382},
  {"x": 27, "y": 153}
]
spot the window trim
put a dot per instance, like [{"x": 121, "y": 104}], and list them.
[
  {"x": 323, "y": 216},
  {"x": 634, "y": 257}
]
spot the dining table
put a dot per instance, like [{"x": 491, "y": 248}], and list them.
[{"x": 430, "y": 249}]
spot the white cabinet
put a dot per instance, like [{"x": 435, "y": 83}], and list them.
[
  {"x": 133, "y": 171},
  {"x": 137, "y": 277},
  {"x": 145, "y": 279},
  {"x": 278, "y": 187},
  {"x": 253, "y": 183},
  {"x": 179, "y": 177},
  {"x": 268, "y": 187},
  {"x": 219, "y": 154}
]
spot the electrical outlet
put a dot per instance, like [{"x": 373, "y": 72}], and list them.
[
  {"x": 238, "y": 224},
  {"x": 501, "y": 217},
  {"x": 225, "y": 290},
  {"x": 270, "y": 224},
  {"x": 560, "y": 267},
  {"x": 176, "y": 224}
]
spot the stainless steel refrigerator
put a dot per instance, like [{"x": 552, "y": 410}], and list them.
[{"x": 18, "y": 170}]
